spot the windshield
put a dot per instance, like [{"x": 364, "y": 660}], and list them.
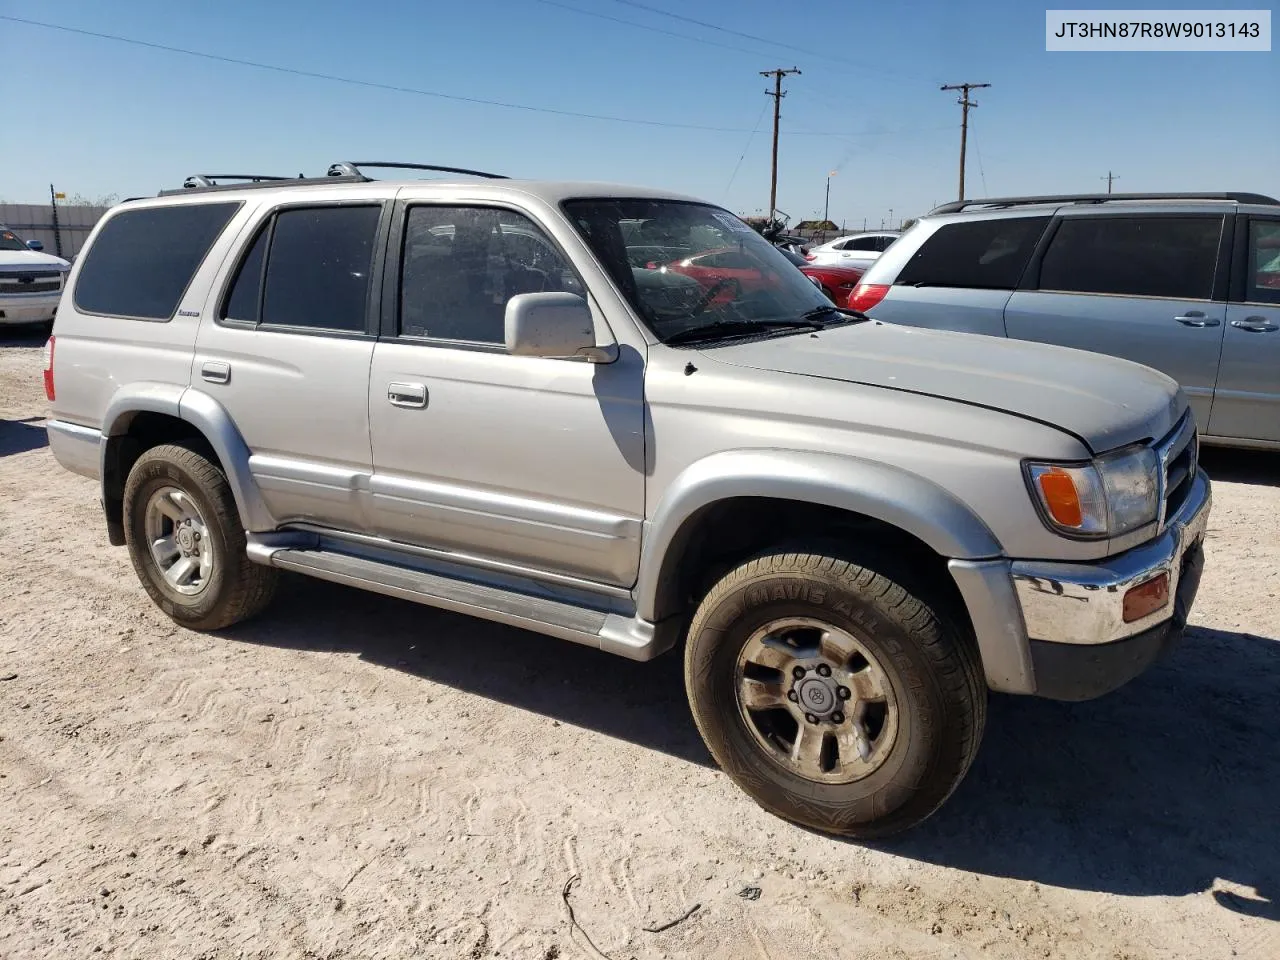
[
  {"x": 686, "y": 267},
  {"x": 11, "y": 241}
]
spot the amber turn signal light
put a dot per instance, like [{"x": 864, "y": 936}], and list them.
[
  {"x": 1146, "y": 598},
  {"x": 1060, "y": 497}
]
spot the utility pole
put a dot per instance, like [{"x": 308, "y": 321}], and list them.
[
  {"x": 777, "y": 95},
  {"x": 826, "y": 206},
  {"x": 1109, "y": 177},
  {"x": 891, "y": 218},
  {"x": 965, "y": 104}
]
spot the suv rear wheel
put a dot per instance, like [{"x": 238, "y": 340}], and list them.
[
  {"x": 832, "y": 694},
  {"x": 187, "y": 543}
]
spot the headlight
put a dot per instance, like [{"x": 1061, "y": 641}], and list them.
[{"x": 1110, "y": 496}]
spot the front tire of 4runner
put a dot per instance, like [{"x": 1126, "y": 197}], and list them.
[
  {"x": 833, "y": 694},
  {"x": 187, "y": 543}
]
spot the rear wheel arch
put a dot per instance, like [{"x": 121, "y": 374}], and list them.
[{"x": 153, "y": 414}]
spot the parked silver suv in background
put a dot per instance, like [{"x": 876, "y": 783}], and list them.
[
  {"x": 476, "y": 395},
  {"x": 1186, "y": 283}
]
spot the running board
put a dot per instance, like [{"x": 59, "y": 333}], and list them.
[{"x": 626, "y": 636}]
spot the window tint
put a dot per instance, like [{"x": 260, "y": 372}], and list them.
[
  {"x": 863, "y": 243},
  {"x": 246, "y": 290},
  {"x": 987, "y": 254},
  {"x": 318, "y": 267},
  {"x": 143, "y": 260},
  {"x": 1264, "y": 262},
  {"x": 886, "y": 243},
  {"x": 462, "y": 265},
  {"x": 1139, "y": 256}
]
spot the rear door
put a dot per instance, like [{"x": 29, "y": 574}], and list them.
[
  {"x": 960, "y": 276},
  {"x": 287, "y": 353},
  {"x": 1246, "y": 405},
  {"x": 1145, "y": 287}
]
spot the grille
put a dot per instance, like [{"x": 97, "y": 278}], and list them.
[
  {"x": 1179, "y": 453},
  {"x": 38, "y": 281}
]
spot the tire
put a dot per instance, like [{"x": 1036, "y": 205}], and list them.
[
  {"x": 914, "y": 678},
  {"x": 171, "y": 482}
]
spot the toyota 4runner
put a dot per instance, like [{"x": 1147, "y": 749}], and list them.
[{"x": 477, "y": 395}]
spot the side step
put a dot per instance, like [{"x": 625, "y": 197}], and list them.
[{"x": 612, "y": 632}]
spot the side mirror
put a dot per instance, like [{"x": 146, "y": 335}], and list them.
[
  {"x": 553, "y": 325},
  {"x": 35, "y": 245}
]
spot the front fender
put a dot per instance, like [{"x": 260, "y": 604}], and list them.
[
  {"x": 894, "y": 496},
  {"x": 215, "y": 425}
]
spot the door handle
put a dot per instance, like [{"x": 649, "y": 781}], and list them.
[
  {"x": 407, "y": 394},
  {"x": 1196, "y": 318},
  {"x": 215, "y": 371},
  {"x": 1255, "y": 325}
]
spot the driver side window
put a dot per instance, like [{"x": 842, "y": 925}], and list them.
[{"x": 462, "y": 264}]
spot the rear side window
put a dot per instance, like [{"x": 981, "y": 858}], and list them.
[
  {"x": 318, "y": 267},
  {"x": 863, "y": 243},
  {"x": 1264, "y": 262},
  {"x": 143, "y": 260},
  {"x": 1172, "y": 257},
  {"x": 986, "y": 254}
]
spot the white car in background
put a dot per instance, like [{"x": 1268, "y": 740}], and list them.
[
  {"x": 30, "y": 281},
  {"x": 854, "y": 250}
]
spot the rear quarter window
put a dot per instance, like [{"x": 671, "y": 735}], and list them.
[
  {"x": 142, "y": 261},
  {"x": 985, "y": 254}
]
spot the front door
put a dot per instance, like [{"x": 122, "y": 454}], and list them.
[
  {"x": 1247, "y": 404},
  {"x": 1138, "y": 287},
  {"x": 286, "y": 351},
  {"x": 524, "y": 460}
]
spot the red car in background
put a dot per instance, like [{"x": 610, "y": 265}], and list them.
[{"x": 733, "y": 272}]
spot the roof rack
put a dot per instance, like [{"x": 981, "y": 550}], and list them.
[
  {"x": 350, "y": 168},
  {"x": 211, "y": 179},
  {"x": 997, "y": 202}
]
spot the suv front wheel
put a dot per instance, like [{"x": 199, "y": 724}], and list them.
[
  {"x": 187, "y": 543},
  {"x": 832, "y": 694}
]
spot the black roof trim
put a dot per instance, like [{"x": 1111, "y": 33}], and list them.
[
  {"x": 1001, "y": 202},
  {"x": 260, "y": 183}
]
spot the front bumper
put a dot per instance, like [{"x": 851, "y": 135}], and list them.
[
  {"x": 1083, "y": 604},
  {"x": 31, "y": 309},
  {"x": 1057, "y": 630}
]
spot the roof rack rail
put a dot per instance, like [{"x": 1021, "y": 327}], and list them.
[
  {"x": 957, "y": 205},
  {"x": 192, "y": 184},
  {"x": 350, "y": 168},
  {"x": 211, "y": 179}
]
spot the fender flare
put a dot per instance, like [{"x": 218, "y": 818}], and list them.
[
  {"x": 214, "y": 423},
  {"x": 905, "y": 500}
]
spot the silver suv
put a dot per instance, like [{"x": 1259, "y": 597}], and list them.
[
  {"x": 476, "y": 395},
  {"x": 1186, "y": 283}
]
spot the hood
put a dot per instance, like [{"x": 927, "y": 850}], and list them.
[
  {"x": 11, "y": 260},
  {"x": 1105, "y": 401}
]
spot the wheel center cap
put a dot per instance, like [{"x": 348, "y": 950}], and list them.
[
  {"x": 185, "y": 540},
  {"x": 816, "y": 695}
]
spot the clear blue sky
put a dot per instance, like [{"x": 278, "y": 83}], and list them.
[{"x": 99, "y": 117}]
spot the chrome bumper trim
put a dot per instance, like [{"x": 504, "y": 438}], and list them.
[{"x": 1083, "y": 603}]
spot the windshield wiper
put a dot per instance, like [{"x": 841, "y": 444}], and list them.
[
  {"x": 732, "y": 328},
  {"x": 843, "y": 312}
]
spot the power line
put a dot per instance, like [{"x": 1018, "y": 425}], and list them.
[
  {"x": 733, "y": 176},
  {"x": 645, "y": 26},
  {"x": 371, "y": 84}
]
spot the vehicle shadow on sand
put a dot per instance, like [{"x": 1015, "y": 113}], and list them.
[
  {"x": 1156, "y": 789},
  {"x": 1259, "y": 467},
  {"x": 21, "y": 436}
]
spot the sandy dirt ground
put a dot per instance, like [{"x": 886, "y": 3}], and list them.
[{"x": 354, "y": 776}]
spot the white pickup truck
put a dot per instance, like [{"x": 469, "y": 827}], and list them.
[{"x": 30, "y": 281}]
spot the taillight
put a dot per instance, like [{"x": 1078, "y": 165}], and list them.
[
  {"x": 867, "y": 295},
  {"x": 48, "y": 370},
  {"x": 811, "y": 257}
]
